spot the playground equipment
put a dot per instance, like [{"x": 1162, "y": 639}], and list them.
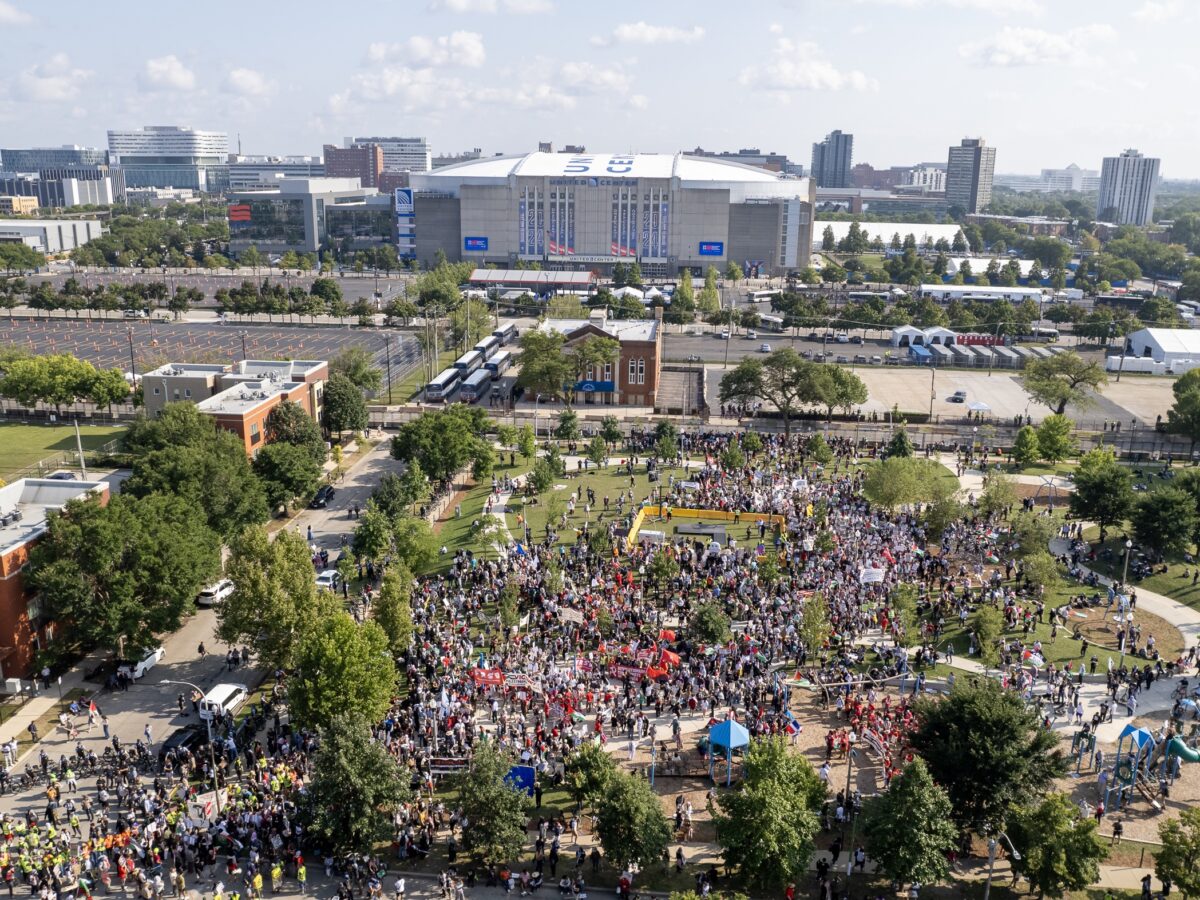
[
  {"x": 1138, "y": 757},
  {"x": 1082, "y": 745},
  {"x": 728, "y": 736}
]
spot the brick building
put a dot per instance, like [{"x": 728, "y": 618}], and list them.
[
  {"x": 364, "y": 162},
  {"x": 633, "y": 379},
  {"x": 24, "y": 508}
]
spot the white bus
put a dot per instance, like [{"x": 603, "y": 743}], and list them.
[
  {"x": 488, "y": 345},
  {"x": 468, "y": 362},
  {"x": 771, "y": 323},
  {"x": 498, "y": 364},
  {"x": 477, "y": 384},
  {"x": 506, "y": 333},
  {"x": 443, "y": 387},
  {"x": 762, "y": 296}
]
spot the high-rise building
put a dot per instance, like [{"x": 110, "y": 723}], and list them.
[
  {"x": 171, "y": 156},
  {"x": 1072, "y": 178},
  {"x": 832, "y": 160},
  {"x": 969, "y": 173},
  {"x": 1128, "y": 184},
  {"x": 34, "y": 159},
  {"x": 400, "y": 154},
  {"x": 362, "y": 161}
]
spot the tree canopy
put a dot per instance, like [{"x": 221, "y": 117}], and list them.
[
  {"x": 443, "y": 441},
  {"x": 920, "y": 850},
  {"x": 1063, "y": 379},
  {"x": 341, "y": 666},
  {"x": 495, "y": 809}
]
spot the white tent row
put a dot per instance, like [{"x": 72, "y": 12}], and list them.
[{"x": 910, "y": 336}]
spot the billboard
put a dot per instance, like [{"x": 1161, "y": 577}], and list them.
[
  {"x": 712, "y": 248},
  {"x": 404, "y": 203},
  {"x": 475, "y": 244},
  {"x": 239, "y": 215}
]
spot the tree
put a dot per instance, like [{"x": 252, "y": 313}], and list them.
[
  {"x": 896, "y": 481},
  {"x": 341, "y": 667},
  {"x": 631, "y": 824},
  {"x": 527, "y": 442},
  {"x": 588, "y": 772},
  {"x": 251, "y": 257},
  {"x": 903, "y": 602},
  {"x": 108, "y": 387},
  {"x": 1063, "y": 379},
  {"x": 597, "y": 451},
  {"x": 920, "y": 850},
  {"x": 1040, "y": 570},
  {"x": 1054, "y": 438},
  {"x": 443, "y": 442},
  {"x": 999, "y": 493},
  {"x": 1165, "y": 520},
  {"x": 610, "y": 430},
  {"x": 355, "y": 787},
  {"x": 415, "y": 543},
  {"x": 494, "y": 809},
  {"x": 183, "y": 452},
  {"x": 392, "y": 607},
  {"x": 1060, "y": 849},
  {"x": 734, "y": 272},
  {"x": 827, "y": 238},
  {"x": 118, "y": 574},
  {"x": 683, "y": 300},
  {"x": 708, "y": 623},
  {"x": 988, "y": 626},
  {"x": 568, "y": 425},
  {"x": 1032, "y": 532},
  {"x": 1184, "y": 415},
  {"x": 899, "y": 445},
  {"x": 544, "y": 364},
  {"x": 987, "y": 750},
  {"x": 1103, "y": 490},
  {"x": 1177, "y": 861},
  {"x": 835, "y": 388},
  {"x": 766, "y": 826},
  {"x": 1025, "y": 449},
  {"x": 814, "y": 624},
  {"x": 288, "y": 423},
  {"x": 274, "y": 601},
  {"x": 818, "y": 449},
  {"x": 373, "y": 535},
  {"x": 784, "y": 379},
  {"x": 709, "y": 299},
  {"x": 358, "y": 365},
  {"x": 345, "y": 409},
  {"x": 287, "y": 472},
  {"x": 469, "y": 323}
]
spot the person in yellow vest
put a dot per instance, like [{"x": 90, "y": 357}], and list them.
[
  {"x": 258, "y": 883},
  {"x": 276, "y": 878},
  {"x": 302, "y": 877}
]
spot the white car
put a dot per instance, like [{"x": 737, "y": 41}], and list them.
[
  {"x": 842, "y": 338},
  {"x": 148, "y": 661},
  {"x": 329, "y": 580},
  {"x": 215, "y": 593},
  {"x": 764, "y": 348}
]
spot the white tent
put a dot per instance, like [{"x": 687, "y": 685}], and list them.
[
  {"x": 939, "y": 335},
  {"x": 628, "y": 292},
  {"x": 907, "y": 336},
  {"x": 653, "y": 294},
  {"x": 978, "y": 406}
]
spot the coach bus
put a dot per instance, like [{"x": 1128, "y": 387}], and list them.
[
  {"x": 476, "y": 385},
  {"x": 468, "y": 362},
  {"x": 762, "y": 296},
  {"x": 498, "y": 364},
  {"x": 506, "y": 333},
  {"x": 488, "y": 346},
  {"x": 442, "y": 388}
]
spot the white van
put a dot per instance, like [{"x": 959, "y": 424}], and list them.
[{"x": 222, "y": 699}]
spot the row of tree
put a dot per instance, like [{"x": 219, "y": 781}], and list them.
[
  {"x": 58, "y": 380},
  {"x": 75, "y": 297}
]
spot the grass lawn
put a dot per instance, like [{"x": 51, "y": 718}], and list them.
[
  {"x": 408, "y": 387},
  {"x": 22, "y": 446},
  {"x": 1171, "y": 584}
]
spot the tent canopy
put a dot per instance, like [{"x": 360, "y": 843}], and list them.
[
  {"x": 728, "y": 734},
  {"x": 1139, "y": 736},
  {"x": 628, "y": 292},
  {"x": 978, "y": 406}
]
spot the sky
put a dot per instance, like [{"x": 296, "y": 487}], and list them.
[{"x": 1047, "y": 82}]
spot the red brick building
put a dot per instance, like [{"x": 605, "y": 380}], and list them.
[{"x": 364, "y": 162}]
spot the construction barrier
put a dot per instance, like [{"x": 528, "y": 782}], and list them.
[{"x": 676, "y": 512}]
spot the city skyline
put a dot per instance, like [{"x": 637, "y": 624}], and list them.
[{"x": 498, "y": 74}]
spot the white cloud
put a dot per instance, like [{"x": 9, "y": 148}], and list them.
[
  {"x": 465, "y": 6},
  {"x": 799, "y": 66},
  {"x": 639, "y": 101},
  {"x": 528, "y": 7},
  {"x": 55, "y": 81},
  {"x": 588, "y": 78},
  {"x": 996, "y": 7},
  {"x": 1022, "y": 46},
  {"x": 248, "y": 83},
  {"x": 462, "y": 48},
  {"x": 488, "y": 7},
  {"x": 167, "y": 73},
  {"x": 10, "y": 15},
  {"x": 1159, "y": 11},
  {"x": 645, "y": 33}
]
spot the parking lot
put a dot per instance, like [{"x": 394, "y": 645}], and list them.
[{"x": 107, "y": 344}]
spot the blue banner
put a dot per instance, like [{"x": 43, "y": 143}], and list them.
[
  {"x": 663, "y": 231},
  {"x": 570, "y": 227},
  {"x": 712, "y": 248},
  {"x": 521, "y": 228},
  {"x": 475, "y": 243},
  {"x": 597, "y": 387},
  {"x": 541, "y": 228},
  {"x": 647, "y": 248},
  {"x": 522, "y": 778}
]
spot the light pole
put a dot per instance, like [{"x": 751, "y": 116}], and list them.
[
  {"x": 992, "y": 846},
  {"x": 132, "y": 363},
  {"x": 387, "y": 344},
  {"x": 932, "y": 388},
  {"x": 1125, "y": 570},
  {"x": 243, "y": 346},
  {"x": 212, "y": 756}
]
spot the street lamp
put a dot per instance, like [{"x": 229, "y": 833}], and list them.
[
  {"x": 992, "y": 845},
  {"x": 1125, "y": 570},
  {"x": 212, "y": 757},
  {"x": 243, "y": 346},
  {"x": 132, "y": 363}
]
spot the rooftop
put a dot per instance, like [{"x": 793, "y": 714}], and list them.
[
  {"x": 241, "y": 398},
  {"x": 623, "y": 330},
  {"x": 605, "y": 165},
  {"x": 25, "y": 505},
  {"x": 530, "y": 277},
  {"x": 178, "y": 369},
  {"x": 1171, "y": 340},
  {"x": 274, "y": 369}
]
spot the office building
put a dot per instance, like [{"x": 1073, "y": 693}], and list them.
[
  {"x": 50, "y": 236},
  {"x": 25, "y": 507},
  {"x": 832, "y": 160},
  {"x": 925, "y": 179},
  {"x": 569, "y": 212},
  {"x": 249, "y": 173},
  {"x": 1070, "y": 179},
  {"x": 304, "y": 214},
  {"x": 54, "y": 188},
  {"x": 364, "y": 162},
  {"x": 239, "y": 396},
  {"x": 171, "y": 156},
  {"x": 969, "y": 173},
  {"x": 18, "y": 206},
  {"x": 400, "y": 154},
  {"x": 34, "y": 159},
  {"x": 1128, "y": 184}
]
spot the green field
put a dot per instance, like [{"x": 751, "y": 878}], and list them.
[{"x": 22, "y": 446}]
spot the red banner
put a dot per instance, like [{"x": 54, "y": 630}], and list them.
[{"x": 490, "y": 677}]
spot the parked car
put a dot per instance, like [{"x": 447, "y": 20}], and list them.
[
  {"x": 877, "y": 360},
  {"x": 842, "y": 359},
  {"x": 322, "y": 497},
  {"x": 860, "y": 358},
  {"x": 842, "y": 338},
  {"x": 764, "y": 348},
  {"x": 724, "y": 335},
  {"x": 958, "y": 397},
  {"x": 189, "y": 737},
  {"x": 857, "y": 339},
  {"x": 215, "y": 593},
  {"x": 329, "y": 580},
  {"x": 134, "y": 313},
  {"x": 138, "y": 669},
  {"x": 62, "y": 476},
  {"x": 751, "y": 335},
  {"x": 693, "y": 357}
]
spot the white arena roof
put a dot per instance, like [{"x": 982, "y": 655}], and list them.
[{"x": 601, "y": 165}]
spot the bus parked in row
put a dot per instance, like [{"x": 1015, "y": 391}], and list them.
[
  {"x": 499, "y": 364},
  {"x": 506, "y": 333},
  {"x": 468, "y": 362},
  {"x": 477, "y": 384},
  {"x": 488, "y": 345},
  {"x": 442, "y": 388}
]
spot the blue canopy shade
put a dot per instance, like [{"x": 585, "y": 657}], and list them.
[{"x": 728, "y": 734}]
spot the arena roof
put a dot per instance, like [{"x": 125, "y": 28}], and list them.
[
  {"x": 534, "y": 278},
  {"x": 605, "y": 165}
]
